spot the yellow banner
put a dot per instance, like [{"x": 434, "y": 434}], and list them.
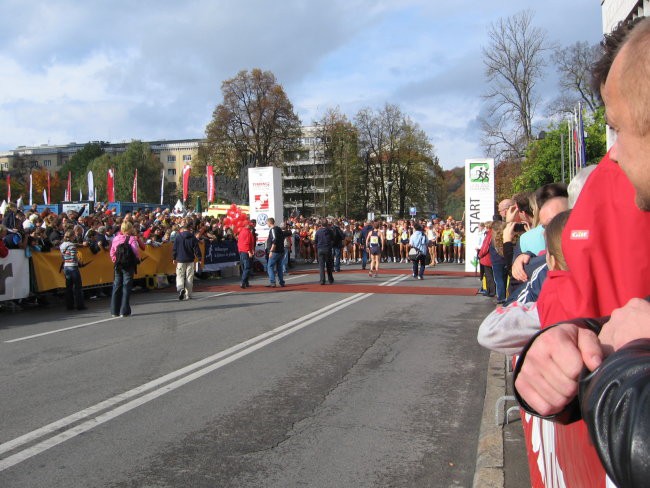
[{"x": 97, "y": 269}]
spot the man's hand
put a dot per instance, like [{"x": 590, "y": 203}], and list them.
[
  {"x": 626, "y": 324},
  {"x": 511, "y": 213},
  {"x": 548, "y": 379},
  {"x": 518, "y": 271}
]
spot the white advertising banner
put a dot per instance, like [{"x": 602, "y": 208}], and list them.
[
  {"x": 14, "y": 276},
  {"x": 479, "y": 203},
  {"x": 265, "y": 197}
]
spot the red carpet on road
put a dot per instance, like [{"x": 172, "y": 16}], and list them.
[{"x": 424, "y": 287}]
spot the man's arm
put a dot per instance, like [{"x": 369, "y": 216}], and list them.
[{"x": 547, "y": 373}]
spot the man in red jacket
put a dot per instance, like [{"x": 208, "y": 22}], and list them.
[
  {"x": 607, "y": 271},
  {"x": 246, "y": 248}
]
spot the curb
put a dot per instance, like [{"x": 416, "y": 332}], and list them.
[{"x": 489, "y": 453}]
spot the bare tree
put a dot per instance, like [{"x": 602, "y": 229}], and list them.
[
  {"x": 573, "y": 64},
  {"x": 514, "y": 62}
]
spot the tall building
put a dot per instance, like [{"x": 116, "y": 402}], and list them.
[{"x": 306, "y": 174}]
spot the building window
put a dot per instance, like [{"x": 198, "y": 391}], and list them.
[
  {"x": 171, "y": 172},
  {"x": 47, "y": 163},
  {"x": 171, "y": 158},
  {"x": 187, "y": 158}
]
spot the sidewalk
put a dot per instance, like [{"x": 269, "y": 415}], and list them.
[{"x": 501, "y": 454}]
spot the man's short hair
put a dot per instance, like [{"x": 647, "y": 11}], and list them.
[
  {"x": 550, "y": 190},
  {"x": 635, "y": 84},
  {"x": 271, "y": 220}
]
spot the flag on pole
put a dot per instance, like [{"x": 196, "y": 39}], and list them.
[
  {"x": 110, "y": 186},
  {"x": 49, "y": 192},
  {"x": 8, "y": 187},
  {"x": 135, "y": 188},
  {"x": 186, "y": 181},
  {"x": 582, "y": 150},
  {"x": 81, "y": 197},
  {"x": 162, "y": 187},
  {"x": 69, "y": 193},
  {"x": 31, "y": 189},
  {"x": 45, "y": 201},
  {"x": 210, "y": 183},
  {"x": 91, "y": 186}
]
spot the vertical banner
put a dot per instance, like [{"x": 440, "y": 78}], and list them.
[
  {"x": 45, "y": 202},
  {"x": 110, "y": 185},
  {"x": 31, "y": 190},
  {"x": 49, "y": 190},
  {"x": 210, "y": 183},
  {"x": 91, "y": 186},
  {"x": 265, "y": 197},
  {"x": 479, "y": 203},
  {"x": 134, "y": 194},
  {"x": 186, "y": 181},
  {"x": 162, "y": 187},
  {"x": 8, "y": 187},
  {"x": 69, "y": 192}
]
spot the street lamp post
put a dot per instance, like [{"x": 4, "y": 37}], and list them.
[{"x": 389, "y": 184}]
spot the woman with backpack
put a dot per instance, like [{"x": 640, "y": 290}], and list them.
[{"x": 125, "y": 254}]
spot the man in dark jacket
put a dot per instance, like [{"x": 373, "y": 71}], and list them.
[
  {"x": 275, "y": 250},
  {"x": 324, "y": 241},
  {"x": 186, "y": 250}
]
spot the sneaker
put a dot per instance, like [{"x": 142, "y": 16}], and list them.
[
  {"x": 370, "y": 274},
  {"x": 420, "y": 278},
  {"x": 181, "y": 294},
  {"x": 415, "y": 276},
  {"x": 187, "y": 297}
]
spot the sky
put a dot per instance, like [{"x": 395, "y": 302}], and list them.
[{"x": 152, "y": 70}]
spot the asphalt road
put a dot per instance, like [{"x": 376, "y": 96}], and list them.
[{"x": 370, "y": 382}]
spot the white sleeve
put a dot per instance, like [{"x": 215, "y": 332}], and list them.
[{"x": 507, "y": 330}]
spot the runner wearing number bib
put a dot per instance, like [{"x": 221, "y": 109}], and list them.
[{"x": 374, "y": 245}]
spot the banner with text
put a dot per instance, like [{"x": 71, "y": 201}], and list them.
[
  {"x": 14, "y": 276},
  {"x": 265, "y": 196},
  {"x": 479, "y": 203}
]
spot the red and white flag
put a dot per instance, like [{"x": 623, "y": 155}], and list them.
[
  {"x": 135, "y": 187},
  {"x": 69, "y": 191},
  {"x": 110, "y": 186},
  {"x": 210, "y": 185},
  {"x": 186, "y": 181}
]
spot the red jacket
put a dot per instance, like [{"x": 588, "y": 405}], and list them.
[
  {"x": 605, "y": 245},
  {"x": 245, "y": 241},
  {"x": 484, "y": 253}
]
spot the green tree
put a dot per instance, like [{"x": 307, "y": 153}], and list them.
[
  {"x": 78, "y": 163},
  {"x": 543, "y": 163},
  {"x": 340, "y": 143},
  {"x": 138, "y": 156}
]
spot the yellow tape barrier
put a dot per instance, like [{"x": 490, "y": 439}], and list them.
[{"x": 98, "y": 268}]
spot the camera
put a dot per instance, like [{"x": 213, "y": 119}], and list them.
[{"x": 519, "y": 227}]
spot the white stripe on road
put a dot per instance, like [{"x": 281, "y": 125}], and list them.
[
  {"x": 61, "y": 330},
  {"x": 192, "y": 372}
]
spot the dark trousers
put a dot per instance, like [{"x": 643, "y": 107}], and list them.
[
  {"x": 74, "y": 296},
  {"x": 245, "y": 262},
  {"x": 421, "y": 261},
  {"x": 325, "y": 260},
  {"x": 122, "y": 286},
  {"x": 489, "y": 280}
]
